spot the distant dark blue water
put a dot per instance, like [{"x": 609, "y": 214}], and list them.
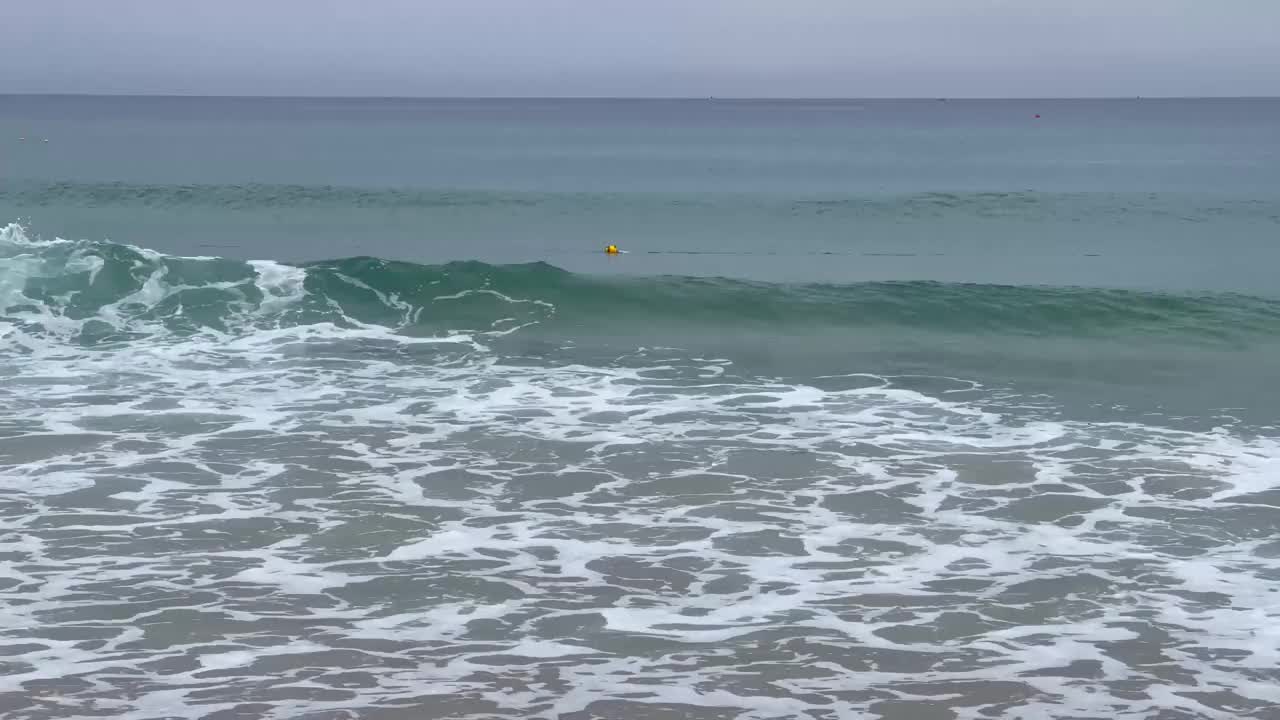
[{"x": 335, "y": 409}]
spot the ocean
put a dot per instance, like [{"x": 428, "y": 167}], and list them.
[{"x": 327, "y": 409}]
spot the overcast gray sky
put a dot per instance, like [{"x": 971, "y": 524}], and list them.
[{"x": 757, "y": 48}]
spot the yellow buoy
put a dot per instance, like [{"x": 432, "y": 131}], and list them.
[{"x": 612, "y": 250}]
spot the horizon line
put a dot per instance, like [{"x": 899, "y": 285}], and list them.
[{"x": 660, "y": 98}]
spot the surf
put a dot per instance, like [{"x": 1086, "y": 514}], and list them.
[{"x": 88, "y": 290}]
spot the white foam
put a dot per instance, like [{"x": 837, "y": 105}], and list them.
[
  {"x": 460, "y": 526},
  {"x": 292, "y": 577},
  {"x": 281, "y": 286},
  {"x": 222, "y": 661}
]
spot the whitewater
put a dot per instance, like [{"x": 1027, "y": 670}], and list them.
[{"x": 366, "y": 488}]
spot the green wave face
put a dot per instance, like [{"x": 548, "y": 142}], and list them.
[{"x": 96, "y": 291}]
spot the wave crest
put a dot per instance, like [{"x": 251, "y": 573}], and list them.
[{"x": 93, "y": 291}]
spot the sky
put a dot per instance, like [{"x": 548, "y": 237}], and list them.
[{"x": 644, "y": 48}]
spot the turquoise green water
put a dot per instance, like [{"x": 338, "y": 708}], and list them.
[{"x": 333, "y": 409}]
